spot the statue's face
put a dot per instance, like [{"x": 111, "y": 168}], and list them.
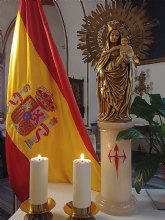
[
  {"x": 124, "y": 41},
  {"x": 114, "y": 36}
]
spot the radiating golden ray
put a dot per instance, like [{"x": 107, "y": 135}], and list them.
[{"x": 133, "y": 22}]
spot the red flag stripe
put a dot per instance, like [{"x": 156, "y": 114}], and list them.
[
  {"x": 50, "y": 56},
  {"x": 19, "y": 174}
]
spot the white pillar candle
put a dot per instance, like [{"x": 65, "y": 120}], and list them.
[
  {"x": 38, "y": 180},
  {"x": 81, "y": 183}
]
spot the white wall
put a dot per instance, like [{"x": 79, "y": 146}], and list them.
[
  {"x": 57, "y": 30},
  {"x": 93, "y": 102},
  {"x": 72, "y": 14},
  {"x": 157, "y": 76},
  {"x": 10, "y": 9}
]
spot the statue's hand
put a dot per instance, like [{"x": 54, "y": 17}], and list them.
[{"x": 136, "y": 60}]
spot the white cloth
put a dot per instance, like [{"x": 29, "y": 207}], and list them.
[{"x": 62, "y": 194}]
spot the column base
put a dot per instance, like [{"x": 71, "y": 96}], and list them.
[{"x": 117, "y": 208}]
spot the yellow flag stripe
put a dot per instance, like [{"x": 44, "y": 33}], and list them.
[{"x": 26, "y": 67}]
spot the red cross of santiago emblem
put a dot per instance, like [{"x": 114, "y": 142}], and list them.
[{"x": 116, "y": 157}]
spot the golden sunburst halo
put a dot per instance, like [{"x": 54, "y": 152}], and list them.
[{"x": 132, "y": 21}]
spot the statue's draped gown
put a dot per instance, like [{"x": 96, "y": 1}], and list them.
[{"x": 114, "y": 87}]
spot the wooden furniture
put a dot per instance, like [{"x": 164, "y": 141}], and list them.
[{"x": 77, "y": 87}]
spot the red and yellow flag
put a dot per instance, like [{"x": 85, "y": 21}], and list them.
[{"x": 43, "y": 117}]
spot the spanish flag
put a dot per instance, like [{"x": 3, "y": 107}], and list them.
[{"x": 43, "y": 117}]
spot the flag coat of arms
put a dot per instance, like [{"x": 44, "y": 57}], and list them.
[{"x": 42, "y": 114}]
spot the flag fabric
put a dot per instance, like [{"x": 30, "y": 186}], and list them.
[{"x": 42, "y": 114}]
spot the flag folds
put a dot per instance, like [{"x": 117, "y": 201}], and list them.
[{"x": 43, "y": 117}]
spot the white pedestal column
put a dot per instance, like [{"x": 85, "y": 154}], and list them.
[{"x": 116, "y": 173}]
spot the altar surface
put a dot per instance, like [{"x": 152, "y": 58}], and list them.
[{"x": 62, "y": 194}]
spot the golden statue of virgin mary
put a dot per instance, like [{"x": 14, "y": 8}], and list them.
[
  {"x": 114, "y": 80},
  {"x": 102, "y": 39}
]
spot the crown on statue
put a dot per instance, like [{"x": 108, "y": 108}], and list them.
[
  {"x": 115, "y": 25},
  {"x": 45, "y": 98}
]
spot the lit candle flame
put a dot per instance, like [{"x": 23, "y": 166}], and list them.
[
  {"x": 82, "y": 156},
  {"x": 39, "y": 156}
]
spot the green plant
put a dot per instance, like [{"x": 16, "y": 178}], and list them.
[{"x": 154, "y": 113}]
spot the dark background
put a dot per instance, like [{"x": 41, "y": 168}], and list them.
[{"x": 155, "y": 10}]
